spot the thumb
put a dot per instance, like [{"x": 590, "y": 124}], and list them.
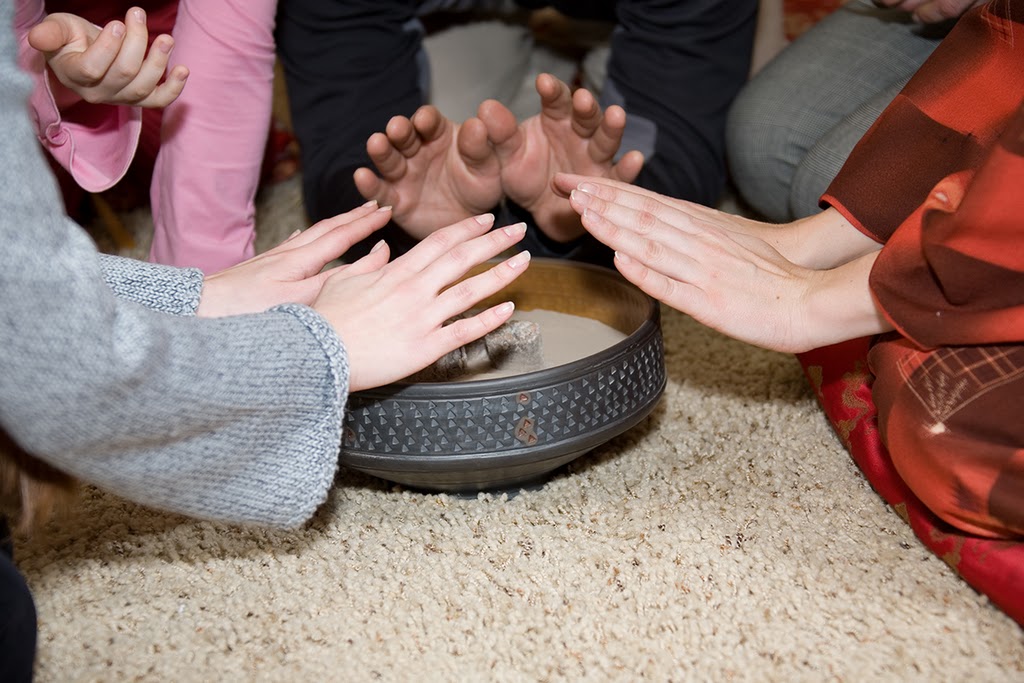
[
  {"x": 55, "y": 32},
  {"x": 502, "y": 128}
]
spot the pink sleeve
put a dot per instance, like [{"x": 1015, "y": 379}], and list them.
[
  {"x": 214, "y": 135},
  {"x": 94, "y": 142}
]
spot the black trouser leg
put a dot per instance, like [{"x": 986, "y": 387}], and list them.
[{"x": 17, "y": 617}]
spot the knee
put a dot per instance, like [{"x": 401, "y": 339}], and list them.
[
  {"x": 962, "y": 459},
  {"x": 759, "y": 151}
]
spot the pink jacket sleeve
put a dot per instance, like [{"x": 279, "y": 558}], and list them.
[
  {"x": 214, "y": 135},
  {"x": 94, "y": 142}
]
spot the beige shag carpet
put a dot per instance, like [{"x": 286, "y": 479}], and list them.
[{"x": 727, "y": 537}]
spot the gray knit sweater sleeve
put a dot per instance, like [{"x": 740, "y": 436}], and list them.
[
  {"x": 161, "y": 288},
  {"x": 234, "y": 419}
]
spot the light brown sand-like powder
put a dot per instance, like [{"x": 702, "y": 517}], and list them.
[{"x": 564, "y": 338}]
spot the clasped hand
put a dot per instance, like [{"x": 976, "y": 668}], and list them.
[
  {"x": 109, "y": 65},
  {"x": 434, "y": 171}
]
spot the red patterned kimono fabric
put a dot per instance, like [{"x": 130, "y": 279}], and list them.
[{"x": 939, "y": 179}]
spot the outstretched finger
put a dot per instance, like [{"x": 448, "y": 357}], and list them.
[
  {"x": 390, "y": 163},
  {"x": 555, "y": 98},
  {"x": 586, "y": 114},
  {"x": 402, "y": 135},
  {"x": 651, "y": 220},
  {"x": 142, "y": 89},
  {"x": 628, "y": 167},
  {"x": 312, "y": 256},
  {"x": 678, "y": 294},
  {"x": 376, "y": 259},
  {"x": 325, "y": 226},
  {"x": 675, "y": 261},
  {"x": 472, "y": 144},
  {"x": 133, "y": 50},
  {"x": 369, "y": 185},
  {"x": 606, "y": 188},
  {"x": 440, "y": 242},
  {"x": 469, "y": 292},
  {"x": 502, "y": 128},
  {"x": 466, "y": 330},
  {"x": 617, "y": 193},
  {"x": 608, "y": 137},
  {"x": 468, "y": 254}
]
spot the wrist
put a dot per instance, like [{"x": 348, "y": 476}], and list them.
[
  {"x": 826, "y": 240},
  {"x": 840, "y": 305}
]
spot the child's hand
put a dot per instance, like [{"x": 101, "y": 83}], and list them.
[
  {"x": 391, "y": 316},
  {"x": 108, "y": 66}
]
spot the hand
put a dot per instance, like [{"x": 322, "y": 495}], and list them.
[
  {"x": 432, "y": 172},
  {"x": 569, "y": 135},
  {"x": 731, "y": 281},
  {"x": 932, "y": 11},
  {"x": 391, "y": 318},
  {"x": 108, "y": 66},
  {"x": 825, "y": 240},
  {"x": 291, "y": 271}
]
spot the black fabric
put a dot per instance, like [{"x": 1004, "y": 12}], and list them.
[
  {"x": 350, "y": 65},
  {"x": 18, "y": 625}
]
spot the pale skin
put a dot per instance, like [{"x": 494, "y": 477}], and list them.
[
  {"x": 390, "y": 316},
  {"x": 110, "y": 65},
  {"x": 434, "y": 171},
  {"x": 790, "y": 288}
]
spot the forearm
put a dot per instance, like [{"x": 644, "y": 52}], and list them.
[
  {"x": 840, "y": 306},
  {"x": 235, "y": 419},
  {"x": 826, "y": 240},
  {"x": 160, "y": 288}
]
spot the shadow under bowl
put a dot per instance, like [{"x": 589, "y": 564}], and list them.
[{"x": 501, "y": 433}]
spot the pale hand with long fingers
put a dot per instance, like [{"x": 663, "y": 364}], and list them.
[{"x": 391, "y": 317}]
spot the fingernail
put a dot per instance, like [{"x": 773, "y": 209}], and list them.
[
  {"x": 515, "y": 230},
  {"x": 139, "y": 15},
  {"x": 165, "y": 46},
  {"x": 384, "y": 208},
  {"x": 622, "y": 258},
  {"x": 294, "y": 234},
  {"x": 589, "y": 188},
  {"x": 485, "y": 219},
  {"x": 519, "y": 260},
  {"x": 117, "y": 29},
  {"x": 368, "y": 204},
  {"x": 506, "y": 308},
  {"x": 580, "y": 197},
  {"x": 378, "y": 246}
]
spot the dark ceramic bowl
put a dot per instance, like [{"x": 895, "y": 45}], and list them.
[{"x": 467, "y": 436}]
